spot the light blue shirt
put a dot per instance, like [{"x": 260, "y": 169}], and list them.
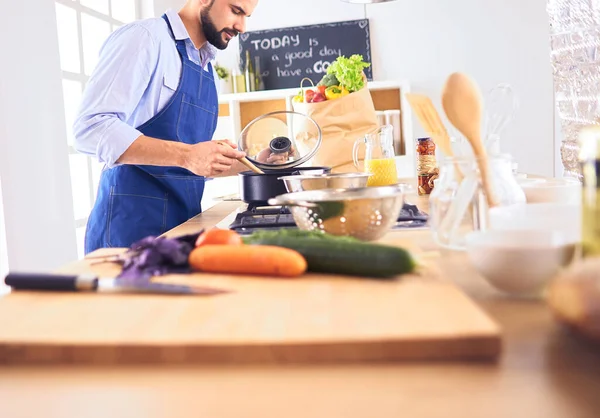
[{"x": 137, "y": 73}]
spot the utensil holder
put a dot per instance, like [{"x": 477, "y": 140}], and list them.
[{"x": 458, "y": 204}]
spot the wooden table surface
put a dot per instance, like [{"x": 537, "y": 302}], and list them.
[{"x": 545, "y": 371}]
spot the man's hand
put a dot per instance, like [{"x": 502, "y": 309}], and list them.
[{"x": 209, "y": 159}]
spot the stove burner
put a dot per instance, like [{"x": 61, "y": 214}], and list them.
[
  {"x": 269, "y": 217},
  {"x": 256, "y": 218}
]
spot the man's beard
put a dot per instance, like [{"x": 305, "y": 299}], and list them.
[{"x": 214, "y": 36}]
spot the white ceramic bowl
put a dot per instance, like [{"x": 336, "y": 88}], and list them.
[
  {"x": 557, "y": 190},
  {"x": 559, "y": 217},
  {"x": 519, "y": 262}
]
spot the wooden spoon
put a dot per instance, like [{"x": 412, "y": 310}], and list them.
[
  {"x": 244, "y": 160},
  {"x": 461, "y": 100}
]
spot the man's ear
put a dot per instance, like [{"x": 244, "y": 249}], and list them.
[{"x": 205, "y": 3}]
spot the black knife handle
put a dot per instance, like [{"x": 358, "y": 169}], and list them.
[{"x": 42, "y": 281}]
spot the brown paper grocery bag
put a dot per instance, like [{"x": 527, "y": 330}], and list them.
[{"x": 342, "y": 121}]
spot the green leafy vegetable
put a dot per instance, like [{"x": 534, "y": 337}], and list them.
[
  {"x": 349, "y": 71},
  {"x": 329, "y": 80}
]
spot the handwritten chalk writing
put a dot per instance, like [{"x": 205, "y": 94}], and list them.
[
  {"x": 296, "y": 55},
  {"x": 288, "y": 73},
  {"x": 321, "y": 66},
  {"x": 276, "y": 42},
  {"x": 287, "y": 55},
  {"x": 329, "y": 52}
]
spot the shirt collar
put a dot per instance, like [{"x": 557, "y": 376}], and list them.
[{"x": 181, "y": 33}]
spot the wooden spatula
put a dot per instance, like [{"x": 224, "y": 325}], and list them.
[
  {"x": 431, "y": 121},
  {"x": 244, "y": 160},
  {"x": 461, "y": 100}
]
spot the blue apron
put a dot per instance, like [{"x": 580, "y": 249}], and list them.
[{"x": 135, "y": 201}]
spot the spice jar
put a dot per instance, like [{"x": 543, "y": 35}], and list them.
[
  {"x": 589, "y": 162},
  {"x": 427, "y": 170}
]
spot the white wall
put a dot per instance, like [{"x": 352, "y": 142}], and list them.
[
  {"x": 34, "y": 166},
  {"x": 3, "y": 252},
  {"x": 423, "y": 41}
]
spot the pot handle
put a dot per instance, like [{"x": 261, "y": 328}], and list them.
[{"x": 278, "y": 201}]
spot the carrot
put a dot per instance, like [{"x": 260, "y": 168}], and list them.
[
  {"x": 248, "y": 259},
  {"x": 219, "y": 236}
]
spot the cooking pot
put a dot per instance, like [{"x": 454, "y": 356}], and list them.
[
  {"x": 280, "y": 144},
  {"x": 257, "y": 189}
]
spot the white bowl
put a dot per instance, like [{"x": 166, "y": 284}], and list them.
[
  {"x": 519, "y": 262},
  {"x": 560, "y": 217},
  {"x": 557, "y": 190}
]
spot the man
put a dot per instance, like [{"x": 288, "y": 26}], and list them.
[{"x": 149, "y": 113}]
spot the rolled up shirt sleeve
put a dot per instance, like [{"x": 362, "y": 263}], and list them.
[{"x": 125, "y": 66}]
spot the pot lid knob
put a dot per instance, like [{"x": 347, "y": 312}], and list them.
[{"x": 280, "y": 144}]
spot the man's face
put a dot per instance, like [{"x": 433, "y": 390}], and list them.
[{"x": 222, "y": 20}]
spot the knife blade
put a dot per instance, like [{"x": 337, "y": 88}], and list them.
[{"x": 93, "y": 283}]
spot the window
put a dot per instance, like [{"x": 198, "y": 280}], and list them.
[{"x": 83, "y": 26}]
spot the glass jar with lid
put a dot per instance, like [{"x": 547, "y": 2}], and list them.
[{"x": 427, "y": 170}]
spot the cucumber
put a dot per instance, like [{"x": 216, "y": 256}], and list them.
[{"x": 326, "y": 253}]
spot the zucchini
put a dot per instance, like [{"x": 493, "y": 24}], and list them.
[{"x": 326, "y": 253}]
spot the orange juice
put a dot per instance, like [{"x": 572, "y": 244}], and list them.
[{"x": 383, "y": 170}]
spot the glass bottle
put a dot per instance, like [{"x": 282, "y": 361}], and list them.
[
  {"x": 249, "y": 73},
  {"x": 239, "y": 84},
  {"x": 426, "y": 165},
  {"x": 259, "y": 82},
  {"x": 589, "y": 160}
]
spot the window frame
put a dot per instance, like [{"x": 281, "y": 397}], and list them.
[{"x": 82, "y": 78}]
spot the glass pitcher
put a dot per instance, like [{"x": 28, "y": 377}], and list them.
[{"x": 379, "y": 156}]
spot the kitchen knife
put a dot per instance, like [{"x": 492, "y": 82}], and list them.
[{"x": 92, "y": 283}]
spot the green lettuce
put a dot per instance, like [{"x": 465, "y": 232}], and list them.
[{"x": 349, "y": 71}]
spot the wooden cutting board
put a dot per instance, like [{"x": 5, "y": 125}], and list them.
[{"x": 317, "y": 318}]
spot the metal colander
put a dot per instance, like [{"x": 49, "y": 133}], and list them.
[{"x": 366, "y": 213}]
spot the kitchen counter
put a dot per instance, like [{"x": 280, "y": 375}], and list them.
[{"x": 544, "y": 371}]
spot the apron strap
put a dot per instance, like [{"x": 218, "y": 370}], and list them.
[{"x": 180, "y": 43}]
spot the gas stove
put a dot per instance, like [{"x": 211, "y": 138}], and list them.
[
  {"x": 262, "y": 218},
  {"x": 256, "y": 218}
]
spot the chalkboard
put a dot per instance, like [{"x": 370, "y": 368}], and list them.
[{"x": 288, "y": 55}]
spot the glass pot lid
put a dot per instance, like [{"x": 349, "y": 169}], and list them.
[{"x": 279, "y": 140}]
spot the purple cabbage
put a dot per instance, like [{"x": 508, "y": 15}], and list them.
[{"x": 157, "y": 256}]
